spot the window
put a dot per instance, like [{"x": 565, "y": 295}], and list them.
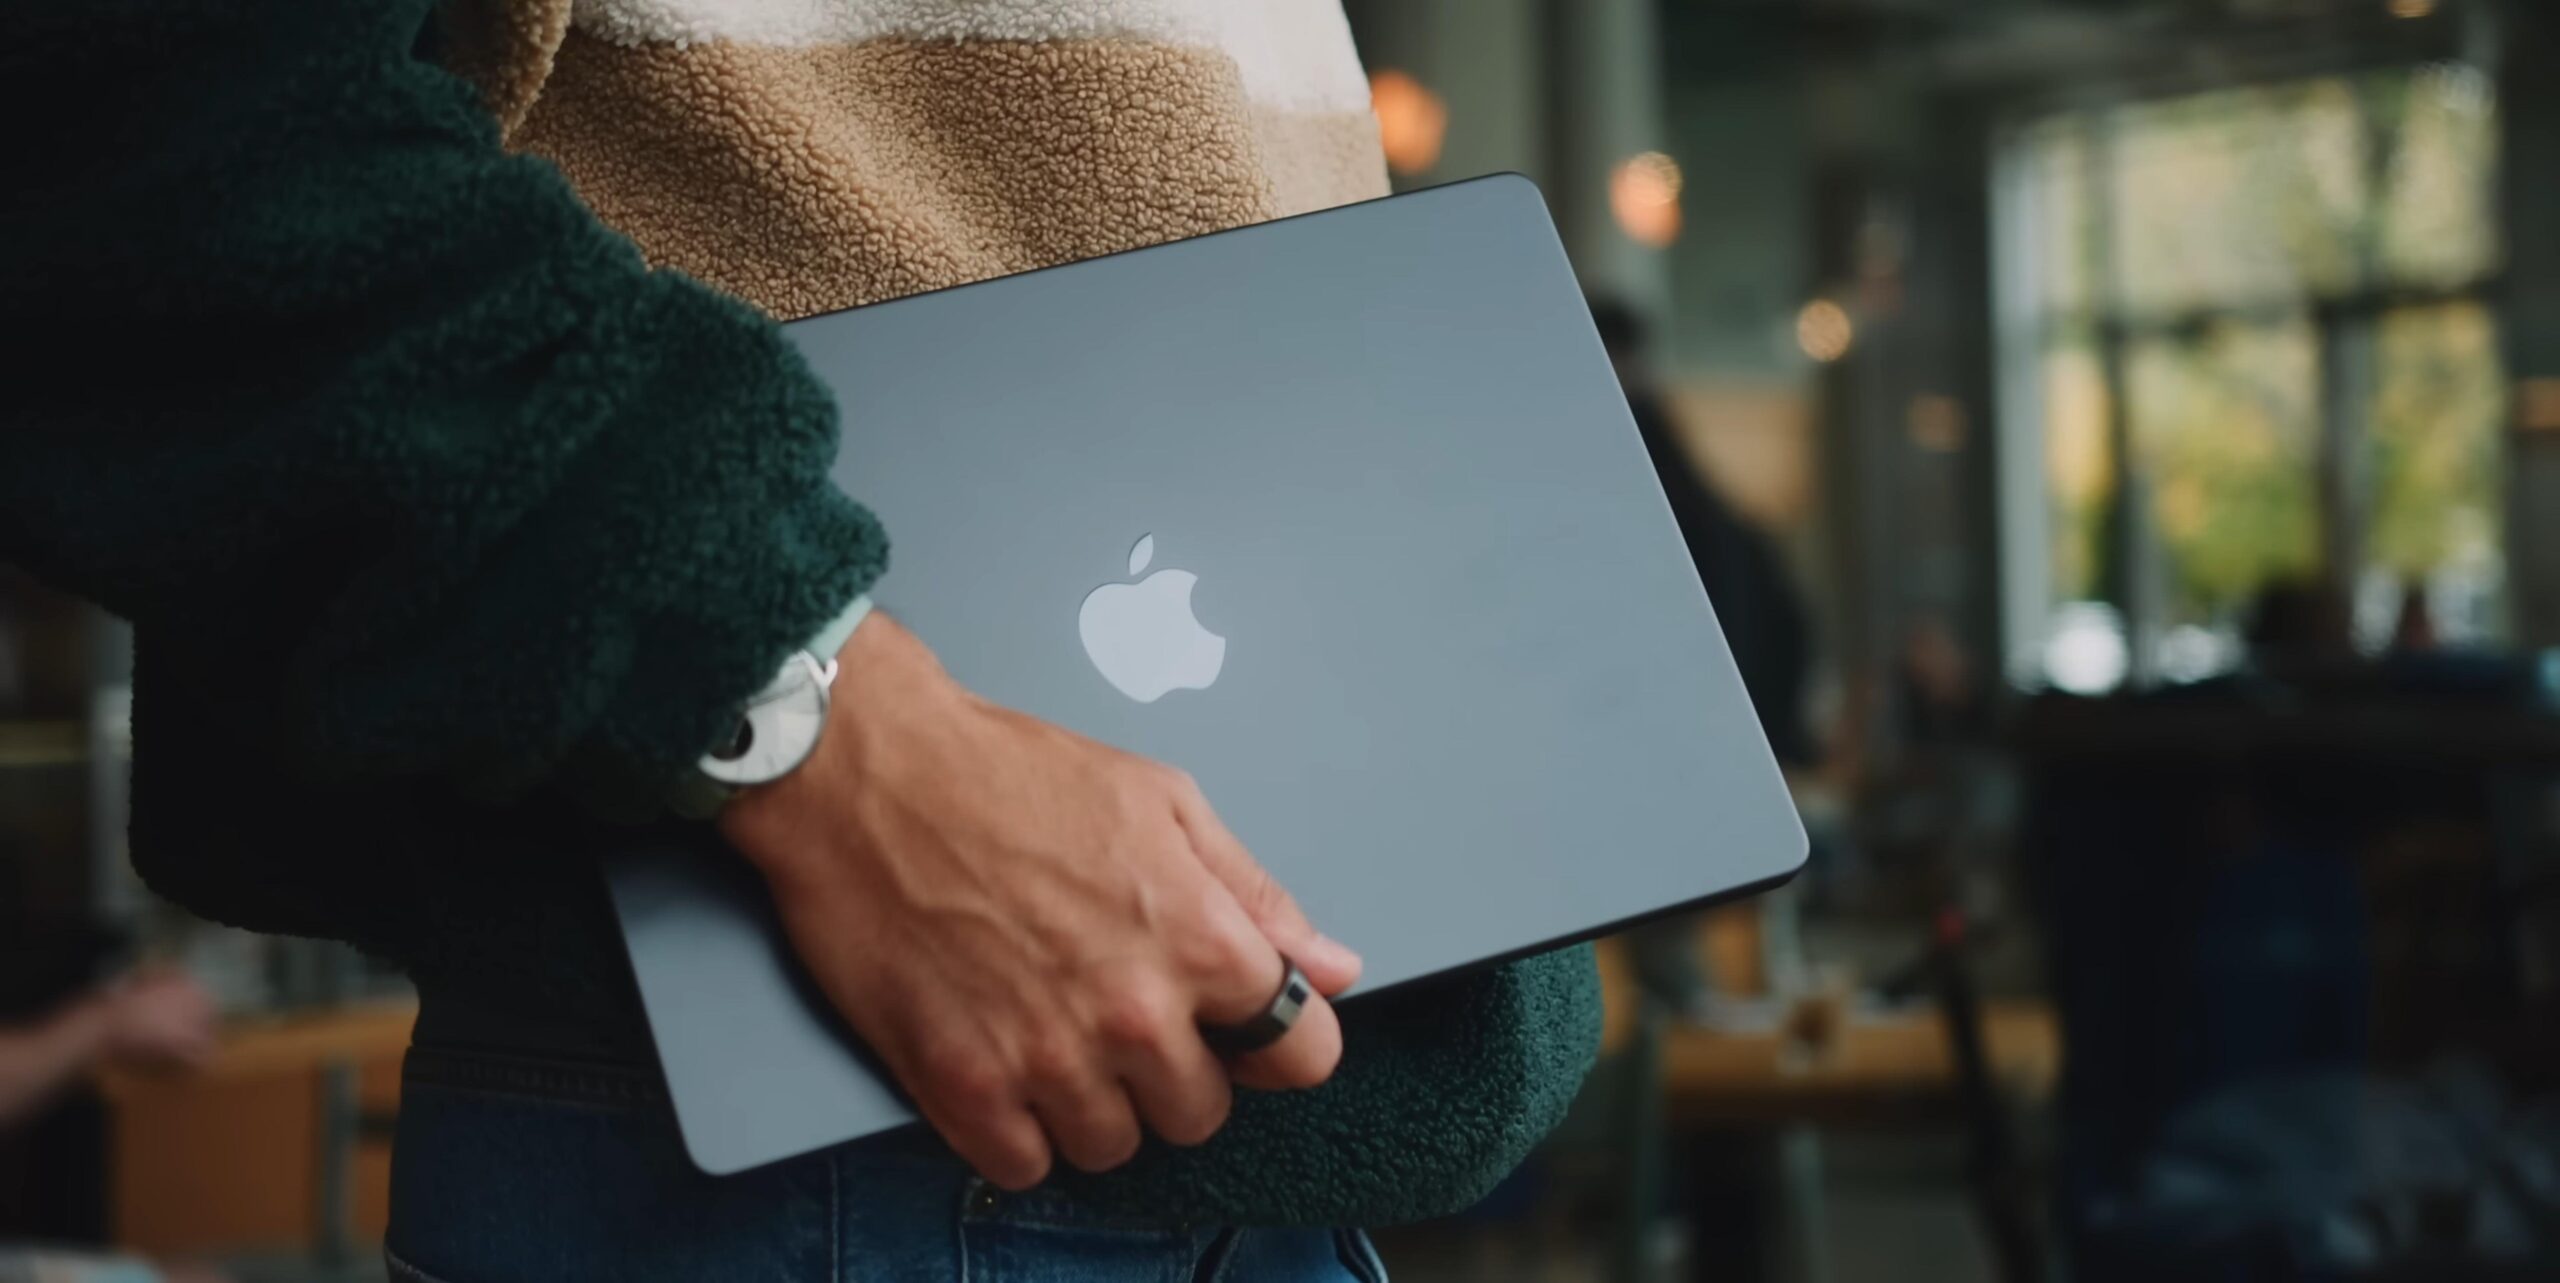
[{"x": 2242, "y": 336}]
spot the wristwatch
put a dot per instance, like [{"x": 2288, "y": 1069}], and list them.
[{"x": 778, "y": 729}]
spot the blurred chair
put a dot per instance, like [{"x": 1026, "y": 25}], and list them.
[
  {"x": 1671, "y": 1091},
  {"x": 2262, "y": 881}
]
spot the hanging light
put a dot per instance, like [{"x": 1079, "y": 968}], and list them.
[
  {"x": 1824, "y": 331},
  {"x": 1411, "y": 120},
  {"x": 1644, "y": 195}
]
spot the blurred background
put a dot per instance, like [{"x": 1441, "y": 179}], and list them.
[{"x": 2122, "y": 439}]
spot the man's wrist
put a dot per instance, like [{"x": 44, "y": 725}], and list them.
[
  {"x": 705, "y": 792},
  {"x": 889, "y": 682},
  {"x": 621, "y": 789}
]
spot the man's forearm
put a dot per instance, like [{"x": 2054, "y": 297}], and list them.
[
  {"x": 38, "y": 1061},
  {"x": 416, "y": 422}
]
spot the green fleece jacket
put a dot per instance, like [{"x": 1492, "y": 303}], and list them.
[{"x": 418, "y": 484}]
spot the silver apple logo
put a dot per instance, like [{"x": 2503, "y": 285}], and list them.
[{"x": 1143, "y": 636}]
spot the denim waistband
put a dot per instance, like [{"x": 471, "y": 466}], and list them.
[
  {"x": 516, "y": 1073},
  {"x": 475, "y": 1045},
  {"x": 460, "y": 1020}
]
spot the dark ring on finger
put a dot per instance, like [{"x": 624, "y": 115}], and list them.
[{"x": 1273, "y": 1024}]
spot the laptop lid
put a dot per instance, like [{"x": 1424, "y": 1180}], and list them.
[{"x": 1345, "y": 515}]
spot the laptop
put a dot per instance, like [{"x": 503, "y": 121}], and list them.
[{"x": 1344, "y": 514}]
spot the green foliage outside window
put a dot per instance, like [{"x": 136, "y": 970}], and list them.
[{"x": 2217, "y": 234}]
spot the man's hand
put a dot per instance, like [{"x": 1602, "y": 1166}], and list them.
[{"x": 1025, "y": 925}]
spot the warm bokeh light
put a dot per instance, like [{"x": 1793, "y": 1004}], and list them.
[
  {"x": 1936, "y": 424},
  {"x": 1824, "y": 330},
  {"x": 1644, "y": 194},
  {"x": 2538, "y": 405},
  {"x": 1411, "y": 120},
  {"x": 2412, "y": 8}
]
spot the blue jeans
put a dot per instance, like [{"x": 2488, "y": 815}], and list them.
[{"x": 510, "y": 1170}]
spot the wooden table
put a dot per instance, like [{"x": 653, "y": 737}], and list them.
[
  {"x": 236, "y": 1157},
  {"x": 1876, "y": 1068},
  {"x": 1684, "y": 1080}
]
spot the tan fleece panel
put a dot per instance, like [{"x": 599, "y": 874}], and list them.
[
  {"x": 504, "y": 47},
  {"x": 1317, "y": 161},
  {"x": 814, "y": 178}
]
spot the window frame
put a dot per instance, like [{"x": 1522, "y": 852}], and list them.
[{"x": 2028, "y": 325}]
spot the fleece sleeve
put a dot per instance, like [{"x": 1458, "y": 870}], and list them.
[{"x": 300, "y": 358}]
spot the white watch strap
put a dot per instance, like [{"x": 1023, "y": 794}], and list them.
[{"x": 832, "y": 638}]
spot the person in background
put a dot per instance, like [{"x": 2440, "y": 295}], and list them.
[
  {"x": 1763, "y": 618},
  {"x": 2300, "y": 628},
  {"x": 1940, "y": 697},
  {"x": 462, "y": 491},
  {"x": 2414, "y": 630},
  {"x": 1763, "y": 615},
  {"x": 1766, "y": 626},
  {"x": 152, "y": 1019}
]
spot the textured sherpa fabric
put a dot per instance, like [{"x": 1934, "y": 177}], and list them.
[
  {"x": 1443, "y": 1088},
  {"x": 419, "y": 482},
  {"x": 810, "y": 155},
  {"x": 304, "y": 364}
]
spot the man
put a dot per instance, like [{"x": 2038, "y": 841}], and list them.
[{"x": 435, "y": 507}]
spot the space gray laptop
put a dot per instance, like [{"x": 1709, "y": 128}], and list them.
[{"x": 1345, "y": 515}]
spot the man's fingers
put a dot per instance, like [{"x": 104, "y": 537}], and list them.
[
  {"x": 1333, "y": 967},
  {"x": 1304, "y": 1057},
  {"x": 974, "y": 1105},
  {"x": 1240, "y": 987},
  {"x": 1004, "y": 1145},
  {"x": 1185, "y": 1101},
  {"x": 1255, "y": 968},
  {"x": 1179, "y": 1087},
  {"x": 1090, "y": 1121}
]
